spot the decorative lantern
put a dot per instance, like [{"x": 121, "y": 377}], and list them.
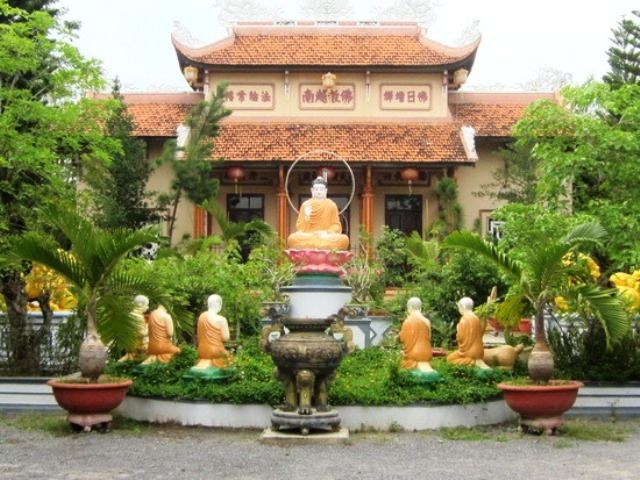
[
  {"x": 327, "y": 172},
  {"x": 409, "y": 174},
  {"x": 190, "y": 74},
  {"x": 236, "y": 174},
  {"x": 459, "y": 77},
  {"x": 328, "y": 81}
]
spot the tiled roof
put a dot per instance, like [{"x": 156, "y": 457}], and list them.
[
  {"x": 158, "y": 115},
  {"x": 386, "y": 141},
  {"x": 492, "y": 114},
  {"x": 254, "y": 45},
  {"x": 489, "y": 120},
  {"x": 157, "y": 120},
  {"x": 411, "y": 142}
]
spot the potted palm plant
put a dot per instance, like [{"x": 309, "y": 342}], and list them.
[
  {"x": 538, "y": 277},
  {"x": 104, "y": 293}
]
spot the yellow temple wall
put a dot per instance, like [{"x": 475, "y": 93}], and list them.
[
  {"x": 367, "y": 103},
  {"x": 470, "y": 180}
]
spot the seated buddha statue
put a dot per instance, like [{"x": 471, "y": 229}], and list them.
[
  {"x": 415, "y": 336},
  {"x": 318, "y": 225},
  {"x": 160, "y": 348},
  {"x": 469, "y": 334},
  {"x": 139, "y": 347}
]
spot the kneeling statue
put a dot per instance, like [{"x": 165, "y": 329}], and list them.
[
  {"x": 469, "y": 334},
  {"x": 213, "y": 330},
  {"x": 160, "y": 348},
  {"x": 415, "y": 336},
  {"x": 141, "y": 343}
]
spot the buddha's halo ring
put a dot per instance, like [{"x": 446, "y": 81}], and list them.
[{"x": 312, "y": 152}]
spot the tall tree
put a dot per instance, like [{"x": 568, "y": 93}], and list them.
[
  {"x": 191, "y": 157},
  {"x": 121, "y": 199},
  {"x": 44, "y": 136},
  {"x": 589, "y": 163},
  {"x": 624, "y": 54}
]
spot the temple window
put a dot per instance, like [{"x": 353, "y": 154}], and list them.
[
  {"x": 403, "y": 212},
  {"x": 245, "y": 207}
]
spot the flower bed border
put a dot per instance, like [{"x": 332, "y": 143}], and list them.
[{"x": 355, "y": 418}]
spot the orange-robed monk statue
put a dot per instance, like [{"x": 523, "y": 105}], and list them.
[
  {"x": 213, "y": 331},
  {"x": 415, "y": 336},
  {"x": 160, "y": 347},
  {"x": 318, "y": 224},
  {"x": 469, "y": 334}
]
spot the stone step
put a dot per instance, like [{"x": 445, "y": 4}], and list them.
[
  {"x": 608, "y": 400},
  {"x": 26, "y": 393}
]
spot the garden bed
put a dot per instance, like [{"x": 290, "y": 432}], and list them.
[{"x": 355, "y": 418}]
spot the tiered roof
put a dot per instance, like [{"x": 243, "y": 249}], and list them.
[
  {"x": 406, "y": 140},
  {"x": 375, "y": 45}
]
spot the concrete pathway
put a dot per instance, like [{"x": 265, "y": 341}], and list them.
[{"x": 158, "y": 452}]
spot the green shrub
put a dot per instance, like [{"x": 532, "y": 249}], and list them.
[
  {"x": 365, "y": 377},
  {"x": 391, "y": 251},
  {"x": 580, "y": 353}
]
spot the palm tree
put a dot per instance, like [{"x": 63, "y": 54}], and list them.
[
  {"x": 544, "y": 274},
  {"x": 238, "y": 231},
  {"x": 91, "y": 266}
]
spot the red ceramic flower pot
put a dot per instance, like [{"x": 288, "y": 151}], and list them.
[
  {"x": 89, "y": 398},
  {"x": 541, "y": 401}
]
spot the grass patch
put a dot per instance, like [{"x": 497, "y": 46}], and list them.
[
  {"x": 53, "y": 424},
  {"x": 595, "y": 430},
  {"x": 495, "y": 433},
  {"x": 467, "y": 434},
  {"x": 56, "y": 424}
]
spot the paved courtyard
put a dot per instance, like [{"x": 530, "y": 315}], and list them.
[{"x": 140, "y": 451}]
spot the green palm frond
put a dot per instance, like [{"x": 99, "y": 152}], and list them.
[
  {"x": 79, "y": 232},
  {"x": 32, "y": 247},
  {"x": 472, "y": 242},
  {"x": 546, "y": 265},
  {"x": 116, "y": 325},
  {"x": 261, "y": 227},
  {"x": 127, "y": 285},
  {"x": 585, "y": 232},
  {"x": 606, "y": 306},
  {"x": 510, "y": 311},
  {"x": 114, "y": 245}
]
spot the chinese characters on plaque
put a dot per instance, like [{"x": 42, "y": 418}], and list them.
[
  {"x": 250, "y": 96},
  {"x": 314, "y": 97},
  {"x": 405, "y": 97}
]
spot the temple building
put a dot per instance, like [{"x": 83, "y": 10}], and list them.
[{"x": 376, "y": 107}]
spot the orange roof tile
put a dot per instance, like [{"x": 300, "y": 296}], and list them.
[
  {"x": 159, "y": 114},
  {"x": 410, "y": 142},
  {"x": 492, "y": 114},
  {"x": 157, "y": 120},
  {"x": 384, "y": 141},
  {"x": 387, "y": 45}
]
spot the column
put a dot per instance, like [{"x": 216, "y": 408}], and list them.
[
  {"x": 282, "y": 209},
  {"x": 199, "y": 221},
  {"x": 366, "y": 210}
]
